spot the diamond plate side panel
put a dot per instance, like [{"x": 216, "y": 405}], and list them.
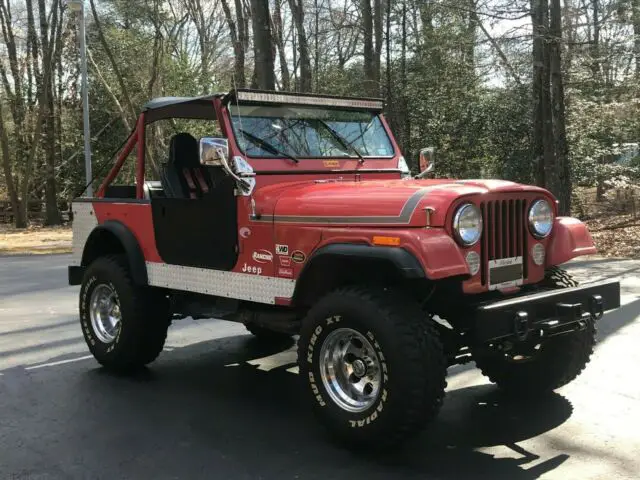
[
  {"x": 84, "y": 221},
  {"x": 240, "y": 286}
]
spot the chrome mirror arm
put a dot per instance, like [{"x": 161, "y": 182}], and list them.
[{"x": 229, "y": 170}]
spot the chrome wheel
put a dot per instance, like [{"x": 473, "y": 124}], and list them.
[
  {"x": 104, "y": 310},
  {"x": 350, "y": 369}
]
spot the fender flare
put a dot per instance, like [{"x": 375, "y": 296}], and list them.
[
  {"x": 402, "y": 261},
  {"x": 406, "y": 263},
  {"x": 570, "y": 239},
  {"x": 130, "y": 245}
]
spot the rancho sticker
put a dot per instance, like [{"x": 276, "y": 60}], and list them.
[{"x": 262, "y": 256}]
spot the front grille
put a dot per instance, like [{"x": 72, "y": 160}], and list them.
[{"x": 505, "y": 232}]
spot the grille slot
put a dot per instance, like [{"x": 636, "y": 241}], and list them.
[{"x": 504, "y": 234}]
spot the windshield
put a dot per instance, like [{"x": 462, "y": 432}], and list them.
[{"x": 303, "y": 132}]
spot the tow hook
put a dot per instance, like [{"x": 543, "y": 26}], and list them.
[
  {"x": 521, "y": 325},
  {"x": 596, "y": 306}
]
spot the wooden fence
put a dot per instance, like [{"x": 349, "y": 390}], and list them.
[{"x": 35, "y": 211}]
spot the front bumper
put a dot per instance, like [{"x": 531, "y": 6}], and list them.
[{"x": 544, "y": 314}]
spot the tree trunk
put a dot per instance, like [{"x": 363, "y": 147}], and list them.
[
  {"x": 279, "y": 40},
  {"x": 542, "y": 129},
  {"x": 303, "y": 47},
  {"x": 378, "y": 14},
  {"x": 388, "y": 57},
  {"x": 236, "y": 31},
  {"x": 49, "y": 47},
  {"x": 570, "y": 22},
  {"x": 635, "y": 16},
  {"x": 561, "y": 184},
  {"x": 404, "y": 112},
  {"x": 20, "y": 218},
  {"x": 370, "y": 85},
  {"x": 316, "y": 57},
  {"x": 17, "y": 105},
  {"x": 469, "y": 48},
  {"x": 262, "y": 45},
  {"x": 40, "y": 118},
  {"x": 595, "y": 43}
]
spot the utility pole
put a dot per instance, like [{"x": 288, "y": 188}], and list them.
[{"x": 77, "y": 6}]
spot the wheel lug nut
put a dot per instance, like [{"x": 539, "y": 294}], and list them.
[{"x": 359, "y": 368}]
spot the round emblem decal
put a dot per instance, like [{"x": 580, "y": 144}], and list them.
[{"x": 298, "y": 256}]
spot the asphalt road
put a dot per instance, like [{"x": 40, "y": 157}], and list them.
[{"x": 218, "y": 405}]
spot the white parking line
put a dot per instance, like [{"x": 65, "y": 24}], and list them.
[{"x": 59, "y": 362}]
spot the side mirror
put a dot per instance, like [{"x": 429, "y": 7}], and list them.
[
  {"x": 214, "y": 151},
  {"x": 427, "y": 161}
]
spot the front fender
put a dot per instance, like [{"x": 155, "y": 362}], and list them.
[
  {"x": 440, "y": 255},
  {"x": 571, "y": 239}
]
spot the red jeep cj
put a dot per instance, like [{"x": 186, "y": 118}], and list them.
[{"x": 303, "y": 219}]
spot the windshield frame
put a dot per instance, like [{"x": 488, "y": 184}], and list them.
[{"x": 374, "y": 115}]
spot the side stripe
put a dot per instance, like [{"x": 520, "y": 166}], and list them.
[{"x": 403, "y": 218}]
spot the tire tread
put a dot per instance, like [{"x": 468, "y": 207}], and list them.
[{"x": 421, "y": 347}]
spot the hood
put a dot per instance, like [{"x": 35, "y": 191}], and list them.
[{"x": 372, "y": 203}]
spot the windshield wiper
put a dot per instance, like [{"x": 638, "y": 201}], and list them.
[
  {"x": 267, "y": 146},
  {"x": 341, "y": 140}
]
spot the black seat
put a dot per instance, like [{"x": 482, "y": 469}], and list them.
[{"x": 183, "y": 176}]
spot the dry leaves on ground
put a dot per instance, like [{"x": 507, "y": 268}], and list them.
[
  {"x": 35, "y": 240},
  {"x": 616, "y": 235}
]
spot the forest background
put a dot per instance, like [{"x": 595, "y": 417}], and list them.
[{"x": 545, "y": 92}]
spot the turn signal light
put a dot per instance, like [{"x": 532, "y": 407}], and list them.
[{"x": 387, "y": 241}]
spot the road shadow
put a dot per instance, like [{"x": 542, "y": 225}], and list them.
[{"x": 203, "y": 408}]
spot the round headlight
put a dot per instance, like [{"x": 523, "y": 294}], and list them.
[
  {"x": 467, "y": 224},
  {"x": 541, "y": 218}
]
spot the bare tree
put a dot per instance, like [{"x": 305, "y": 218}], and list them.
[
  {"x": 378, "y": 13},
  {"x": 543, "y": 152},
  {"x": 10, "y": 181},
  {"x": 52, "y": 213},
  {"x": 237, "y": 31},
  {"x": 635, "y": 18},
  {"x": 560, "y": 182},
  {"x": 278, "y": 36},
  {"x": 13, "y": 92},
  {"x": 303, "y": 47},
  {"x": 369, "y": 56},
  {"x": 112, "y": 60},
  {"x": 262, "y": 45}
]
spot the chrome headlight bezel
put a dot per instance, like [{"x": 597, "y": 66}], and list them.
[
  {"x": 461, "y": 212},
  {"x": 536, "y": 231}
]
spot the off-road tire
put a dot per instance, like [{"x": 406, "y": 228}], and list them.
[
  {"x": 411, "y": 354},
  {"x": 264, "y": 334},
  {"x": 560, "y": 359},
  {"x": 145, "y": 317},
  {"x": 556, "y": 277}
]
